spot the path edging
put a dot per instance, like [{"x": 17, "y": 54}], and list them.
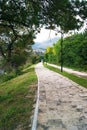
[{"x": 34, "y": 124}]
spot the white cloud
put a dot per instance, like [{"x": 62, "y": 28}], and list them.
[{"x": 44, "y": 35}]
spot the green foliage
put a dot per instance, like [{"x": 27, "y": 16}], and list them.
[
  {"x": 18, "y": 24},
  {"x": 20, "y": 21},
  {"x": 18, "y": 60},
  {"x": 62, "y": 14},
  {"x": 35, "y": 58},
  {"x": 48, "y": 54},
  {"x": 6, "y": 77},
  {"x": 74, "y": 51}
]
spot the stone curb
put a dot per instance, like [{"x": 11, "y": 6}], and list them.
[{"x": 34, "y": 124}]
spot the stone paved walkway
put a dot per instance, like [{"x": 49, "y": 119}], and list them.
[{"x": 62, "y": 103}]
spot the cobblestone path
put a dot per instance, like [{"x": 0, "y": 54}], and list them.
[{"x": 62, "y": 103}]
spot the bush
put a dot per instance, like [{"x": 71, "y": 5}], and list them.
[
  {"x": 35, "y": 59},
  {"x": 18, "y": 60}
]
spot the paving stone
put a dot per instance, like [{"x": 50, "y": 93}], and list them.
[
  {"x": 42, "y": 127},
  {"x": 72, "y": 128},
  {"x": 56, "y": 122},
  {"x": 79, "y": 108},
  {"x": 82, "y": 118},
  {"x": 82, "y": 127},
  {"x": 83, "y": 95},
  {"x": 56, "y": 128},
  {"x": 42, "y": 118},
  {"x": 74, "y": 106}
]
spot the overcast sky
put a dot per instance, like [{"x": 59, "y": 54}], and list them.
[{"x": 45, "y": 35}]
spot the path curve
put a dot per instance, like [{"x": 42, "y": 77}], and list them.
[{"x": 62, "y": 103}]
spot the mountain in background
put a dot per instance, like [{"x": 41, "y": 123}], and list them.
[{"x": 43, "y": 45}]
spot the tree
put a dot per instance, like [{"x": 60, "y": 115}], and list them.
[
  {"x": 81, "y": 5},
  {"x": 20, "y": 13},
  {"x": 74, "y": 51},
  {"x": 49, "y": 54},
  {"x": 62, "y": 16},
  {"x": 17, "y": 16},
  {"x": 15, "y": 49},
  {"x": 19, "y": 22},
  {"x": 55, "y": 52}
]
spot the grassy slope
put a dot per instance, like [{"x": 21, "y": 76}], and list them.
[
  {"x": 80, "y": 81},
  {"x": 17, "y": 99}
]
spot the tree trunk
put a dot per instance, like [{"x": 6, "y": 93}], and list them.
[
  {"x": 9, "y": 53},
  {"x": 61, "y": 52},
  {"x": 2, "y": 53},
  {"x": 9, "y": 50}
]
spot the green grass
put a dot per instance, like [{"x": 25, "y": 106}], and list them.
[
  {"x": 80, "y": 81},
  {"x": 17, "y": 99}
]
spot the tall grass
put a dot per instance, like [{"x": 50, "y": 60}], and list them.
[{"x": 17, "y": 99}]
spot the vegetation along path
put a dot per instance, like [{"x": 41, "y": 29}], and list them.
[
  {"x": 80, "y": 74},
  {"x": 62, "y": 102}
]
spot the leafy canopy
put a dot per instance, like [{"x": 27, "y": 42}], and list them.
[{"x": 26, "y": 17}]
